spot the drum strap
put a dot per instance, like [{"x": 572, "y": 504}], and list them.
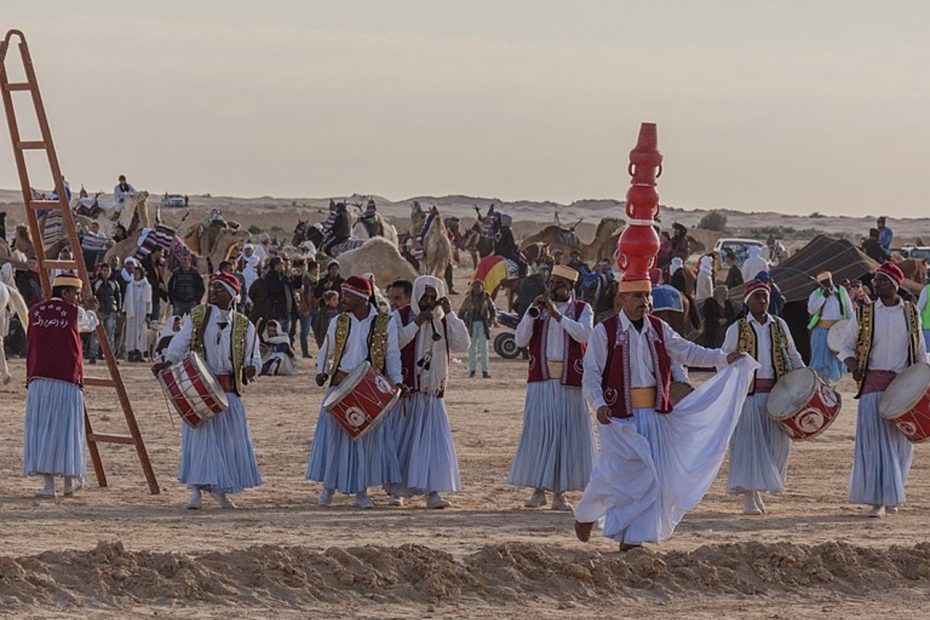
[
  {"x": 866, "y": 320},
  {"x": 377, "y": 341},
  {"x": 200, "y": 318},
  {"x": 746, "y": 343}
]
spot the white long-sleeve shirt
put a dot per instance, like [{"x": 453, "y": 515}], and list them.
[
  {"x": 459, "y": 340},
  {"x": 763, "y": 345},
  {"x": 641, "y": 369},
  {"x": 890, "y": 340},
  {"x": 828, "y": 307},
  {"x": 356, "y": 348},
  {"x": 216, "y": 343},
  {"x": 86, "y": 320},
  {"x": 579, "y": 329}
]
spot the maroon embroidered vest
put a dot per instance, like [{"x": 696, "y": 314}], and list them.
[
  {"x": 573, "y": 351},
  {"x": 615, "y": 381},
  {"x": 54, "y": 344},
  {"x": 408, "y": 354}
]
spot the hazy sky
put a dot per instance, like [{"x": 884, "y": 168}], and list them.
[{"x": 782, "y": 105}]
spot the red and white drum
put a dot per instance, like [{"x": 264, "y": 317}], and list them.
[
  {"x": 802, "y": 404},
  {"x": 906, "y": 402},
  {"x": 193, "y": 391},
  {"x": 362, "y": 400}
]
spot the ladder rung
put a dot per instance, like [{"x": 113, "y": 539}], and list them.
[
  {"x": 99, "y": 381},
  {"x": 32, "y": 144},
  {"x": 102, "y": 438},
  {"x": 60, "y": 264},
  {"x": 45, "y": 204},
  {"x": 19, "y": 86}
]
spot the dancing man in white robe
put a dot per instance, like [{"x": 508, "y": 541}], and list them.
[
  {"x": 655, "y": 463},
  {"x": 217, "y": 456},
  {"x": 884, "y": 340},
  {"x": 556, "y": 451},
  {"x": 54, "y": 438},
  {"x": 425, "y": 448},
  {"x": 137, "y": 305},
  {"x": 759, "y": 448}
]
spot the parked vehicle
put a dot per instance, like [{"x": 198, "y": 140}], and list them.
[
  {"x": 740, "y": 247},
  {"x": 505, "y": 343}
]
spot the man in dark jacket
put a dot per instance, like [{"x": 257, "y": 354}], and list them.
[
  {"x": 185, "y": 288},
  {"x": 152, "y": 265},
  {"x": 340, "y": 230},
  {"x": 279, "y": 297},
  {"x": 109, "y": 298}
]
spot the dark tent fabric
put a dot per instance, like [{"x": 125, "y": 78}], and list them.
[{"x": 796, "y": 279}]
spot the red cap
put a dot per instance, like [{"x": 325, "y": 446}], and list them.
[
  {"x": 358, "y": 285},
  {"x": 229, "y": 280},
  {"x": 892, "y": 271},
  {"x": 756, "y": 285}
]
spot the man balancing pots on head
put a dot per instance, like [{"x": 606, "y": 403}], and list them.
[
  {"x": 54, "y": 436},
  {"x": 217, "y": 455},
  {"x": 883, "y": 341},
  {"x": 656, "y": 462}
]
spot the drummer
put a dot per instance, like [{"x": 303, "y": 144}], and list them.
[
  {"x": 884, "y": 340},
  {"x": 759, "y": 449},
  {"x": 361, "y": 333},
  {"x": 217, "y": 456},
  {"x": 826, "y": 305},
  {"x": 426, "y": 451}
]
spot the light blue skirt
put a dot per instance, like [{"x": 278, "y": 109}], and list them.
[
  {"x": 426, "y": 450},
  {"x": 759, "y": 450},
  {"x": 218, "y": 455},
  {"x": 350, "y": 465},
  {"x": 927, "y": 338},
  {"x": 824, "y": 361},
  {"x": 53, "y": 438},
  {"x": 881, "y": 460},
  {"x": 556, "y": 450}
]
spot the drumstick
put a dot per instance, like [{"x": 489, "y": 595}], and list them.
[{"x": 168, "y": 407}]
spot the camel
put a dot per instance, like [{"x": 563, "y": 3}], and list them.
[
  {"x": 361, "y": 231},
  {"x": 379, "y": 257},
  {"x": 558, "y": 238},
  {"x": 216, "y": 241},
  {"x": 605, "y": 240},
  {"x": 135, "y": 213},
  {"x": 914, "y": 269},
  {"x": 437, "y": 249},
  {"x": 10, "y": 302},
  {"x": 23, "y": 243}
]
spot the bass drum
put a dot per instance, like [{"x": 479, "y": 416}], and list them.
[
  {"x": 803, "y": 405},
  {"x": 836, "y": 333},
  {"x": 906, "y": 403}
]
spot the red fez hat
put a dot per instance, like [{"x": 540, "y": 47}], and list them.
[
  {"x": 358, "y": 285},
  {"x": 230, "y": 281},
  {"x": 755, "y": 285},
  {"x": 892, "y": 271}
]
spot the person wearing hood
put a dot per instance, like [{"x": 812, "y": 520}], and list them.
[
  {"x": 167, "y": 334},
  {"x": 278, "y": 358},
  {"x": 705, "y": 279},
  {"x": 217, "y": 456},
  {"x": 754, "y": 264},
  {"x": 250, "y": 265},
  {"x": 556, "y": 451},
  {"x": 734, "y": 274},
  {"x": 137, "y": 306},
  {"x": 54, "y": 433},
  {"x": 759, "y": 449},
  {"x": 426, "y": 451},
  {"x": 676, "y": 275},
  {"x": 718, "y": 314}
]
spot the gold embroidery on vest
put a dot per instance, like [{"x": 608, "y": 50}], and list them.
[
  {"x": 240, "y": 331},
  {"x": 746, "y": 343},
  {"x": 866, "y": 321},
  {"x": 342, "y": 336},
  {"x": 377, "y": 342}
]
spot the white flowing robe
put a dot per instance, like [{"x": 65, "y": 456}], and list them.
[{"x": 137, "y": 305}]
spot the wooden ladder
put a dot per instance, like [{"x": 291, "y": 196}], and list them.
[{"x": 33, "y": 205}]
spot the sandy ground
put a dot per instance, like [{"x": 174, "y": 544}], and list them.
[{"x": 110, "y": 552}]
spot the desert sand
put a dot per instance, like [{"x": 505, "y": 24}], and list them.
[{"x": 120, "y": 551}]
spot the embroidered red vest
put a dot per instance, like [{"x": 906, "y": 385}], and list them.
[
  {"x": 573, "y": 351},
  {"x": 615, "y": 382},
  {"x": 54, "y": 344},
  {"x": 408, "y": 354}
]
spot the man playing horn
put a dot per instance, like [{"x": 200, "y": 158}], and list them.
[{"x": 556, "y": 451}]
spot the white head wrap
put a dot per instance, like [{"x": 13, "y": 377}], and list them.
[
  {"x": 677, "y": 264},
  {"x": 707, "y": 264},
  {"x": 432, "y": 380}
]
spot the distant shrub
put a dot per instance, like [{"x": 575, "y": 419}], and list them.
[
  {"x": 255, "y": 230},
  {"x": 816, "y": 215},
  {"x": 714, "y": 221}
]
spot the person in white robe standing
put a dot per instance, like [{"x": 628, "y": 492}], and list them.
[
  {"x": 656, "y": 463},
  {"x": 754, "y": 264},
  {"x": 705, "y": 279},
  {"x": 54, "y": 435},
  {"x": 426, "y": 451},
  {"x": 137, "y": 306},
  {"x": 556, "y": 452},
  {"x": 884, "y": 340},
  {"x": 759, "y": 448},
  {"x": 217, "y": 456}
]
